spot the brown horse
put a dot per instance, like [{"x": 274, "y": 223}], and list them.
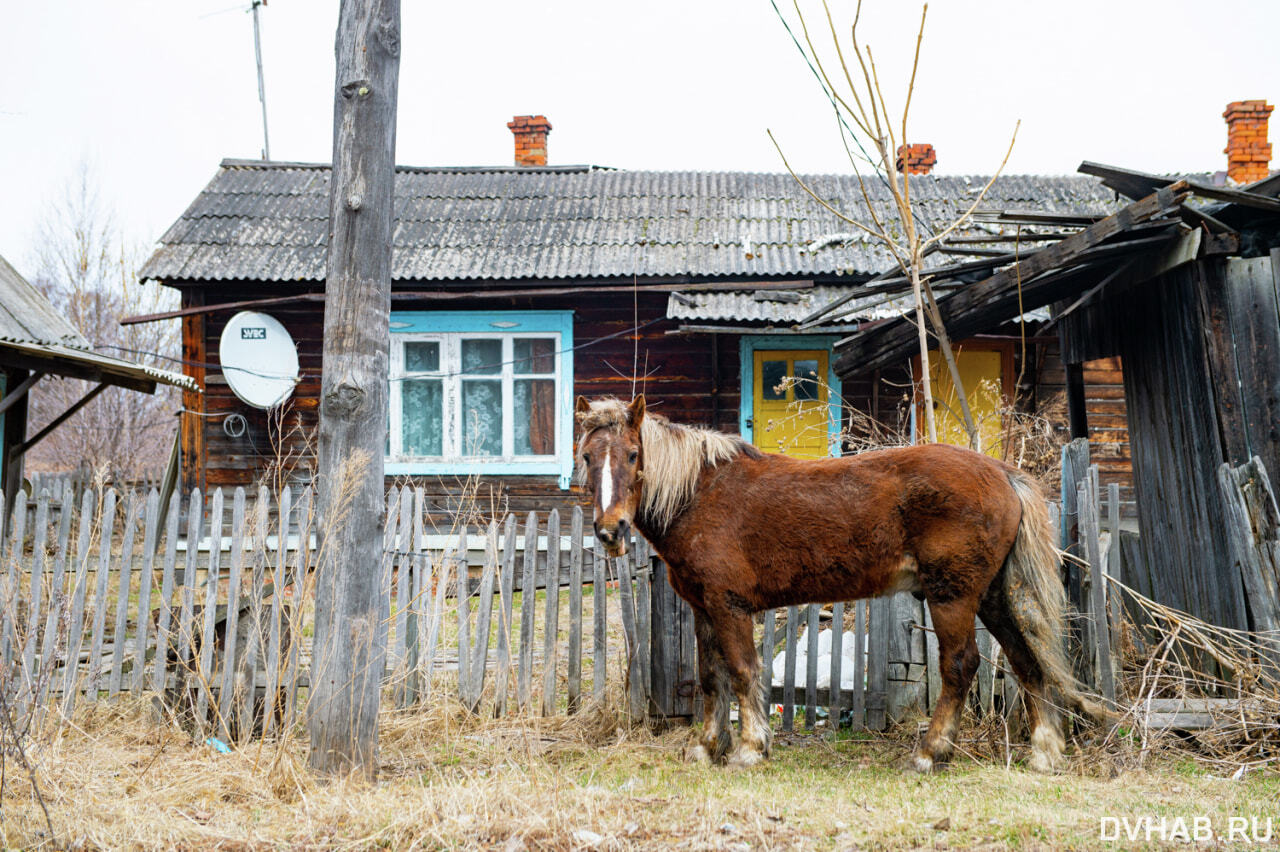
[{"x": 742, "y": 531}]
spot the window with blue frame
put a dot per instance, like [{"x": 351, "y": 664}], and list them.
[{"x": 481, "y": 393}]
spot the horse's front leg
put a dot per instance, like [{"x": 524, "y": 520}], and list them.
[
  {"x": 737, "y": 644},
  {"x": 713, "y": 677}
]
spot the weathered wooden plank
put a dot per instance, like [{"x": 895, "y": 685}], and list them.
[
  {"x": 1075, "y": 465},
  {"x": 255, "y": 641},
  {"x": 28, "y": 674},
  {"x": 146, "y": 579},
  {"x": 1098, "y": 594},
  {"x": 418, "y": 566},
  {"x": 687, "y": 663},
  {"x": 301, "y": 571},
  {"x": 447, "y": 562},
  {"x": 811, "y": 667},
  {"x": 398, "y": 654},
  {"x": 877, "y": 696},
  {"x": 75, "y": 628},
  {"x": 123, "y": 587},
  {"x": 228, "y": 700},
  {"x": 644, "y": 615},
  {"x": 93, "y": 667},
  {"x": 789, "y": 670},
  {"x": 386, "y": 562},
  {"x": 275, "y": 653},
  {"x": 1254, "y": 535},
  {"x": 626, "y": 603},
  {"x": 932, "y": 674},
  {"x": 506, "y": 603},
  {"x": 1255, "y": 328},
  {"x": 573, "y": 686},
  {"x": 528, "y": 613},
  {"x": 484, "y": 618},
  {"x": 986, "y": 672},
  {"x": 464, "y": 620},
  {"x": 599, "y": 614},
  {"x": 204, "y": 673},
  {"x": 186, "y": 629},
  {"x": 15, "y": 553},
  {"x": 837, "y": 663},
  {"x": 551, "y": 626},
  {"x": 768, "y": 642},
  {"x": 859, "y": 701}
]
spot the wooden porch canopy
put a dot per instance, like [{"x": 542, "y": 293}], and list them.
[{"x": 35, "y": 342}]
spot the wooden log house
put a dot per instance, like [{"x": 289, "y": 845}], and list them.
[{"x": 516, "y": 288}]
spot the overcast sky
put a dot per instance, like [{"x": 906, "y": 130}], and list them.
[{"x": 154, "y": 93}]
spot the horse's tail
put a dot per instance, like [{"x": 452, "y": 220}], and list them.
[{"x": 1037, "y": 599}]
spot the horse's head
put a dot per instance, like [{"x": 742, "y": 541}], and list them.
[{"x": 611, "y": 458}]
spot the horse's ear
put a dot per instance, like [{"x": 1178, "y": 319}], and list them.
[
  {"x": 580, "y": 408},
  {"x": 635, "y": 411}
]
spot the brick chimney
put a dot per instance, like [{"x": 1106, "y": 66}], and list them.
[
  {"x": 1248, "y": 152},
  {"x": 531, "y": 139},
  {"x": 917, "y": 159}
]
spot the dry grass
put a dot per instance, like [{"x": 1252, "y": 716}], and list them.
[{"x": 115, "y": 779}]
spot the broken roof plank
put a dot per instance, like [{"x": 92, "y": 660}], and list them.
[
  {"x": 1033, "y": 217},
  {"x": 988, "y": 300},
  {"x": 1235, "y": 196}
]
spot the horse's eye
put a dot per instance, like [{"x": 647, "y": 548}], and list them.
[
  {"x": 631, "y": 459},
  {"x": 586, "y": 458}
]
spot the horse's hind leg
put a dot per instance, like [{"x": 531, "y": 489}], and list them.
[
  {"x": 737, "y": 643},
  {"x": 957, "y": 663},
  {"x": 713, "y": 676},
  {"x": 1043, "y": 717}
]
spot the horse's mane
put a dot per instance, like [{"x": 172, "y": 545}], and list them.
[{"x": 674, "y": 456}]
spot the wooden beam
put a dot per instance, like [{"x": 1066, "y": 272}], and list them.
[
  {"x": 20, "y": 391},
  {"x": 22, "y": 448},
  {"x": 48, "y": 361},
  {"x": 1235, "y": 196},
  {"x": 505, "y": 293},
  {"x": 194, "y": 310},
  {"x": 351, "y": 606}
]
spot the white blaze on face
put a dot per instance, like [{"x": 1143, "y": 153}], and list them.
[{"x": 606, "y": 484}]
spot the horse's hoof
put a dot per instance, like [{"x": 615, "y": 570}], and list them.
[
  {"x": 745, "y": 758},
  {"x": 698, "y": 754},
  {"x": 1046, "y": 751},
  {"x": 923, "y": 764}
]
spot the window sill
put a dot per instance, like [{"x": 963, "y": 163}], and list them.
[{"x": 478, "y": 468}]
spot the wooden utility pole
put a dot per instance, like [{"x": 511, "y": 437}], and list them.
[{"x": 348, "y": 659}]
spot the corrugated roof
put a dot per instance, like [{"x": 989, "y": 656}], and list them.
[
  {"x": 30, "y": 327},
  {"x": 269, "y": 222},
  {"x": 27, "y": 316},
  {"x": 785, "y": 308}
]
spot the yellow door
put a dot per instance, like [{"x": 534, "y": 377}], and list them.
[
  {"x": 790, "y": 409},
  {"x": 983, "y": 372}
]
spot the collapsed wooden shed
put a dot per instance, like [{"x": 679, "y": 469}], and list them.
[{"x": 1181, "y": 286}]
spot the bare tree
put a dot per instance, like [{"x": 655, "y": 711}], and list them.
[
  {"x": 89, "y": 273},
  {"x": 857, "y": 96}
]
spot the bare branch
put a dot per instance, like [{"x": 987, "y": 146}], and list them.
[
  {"x": 964, "y": 217},
  {"x": 844, "y": 218}
]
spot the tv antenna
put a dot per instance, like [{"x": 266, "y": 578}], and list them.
[{"x": 262, "y": 92}]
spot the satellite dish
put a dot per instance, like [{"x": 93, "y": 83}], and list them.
[{"x": 259, "y": 360}]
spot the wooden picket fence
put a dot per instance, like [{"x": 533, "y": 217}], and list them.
[{"x": 211, "y": 613}]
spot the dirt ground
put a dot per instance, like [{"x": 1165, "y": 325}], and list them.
[{"x": 115, "y": 779}]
